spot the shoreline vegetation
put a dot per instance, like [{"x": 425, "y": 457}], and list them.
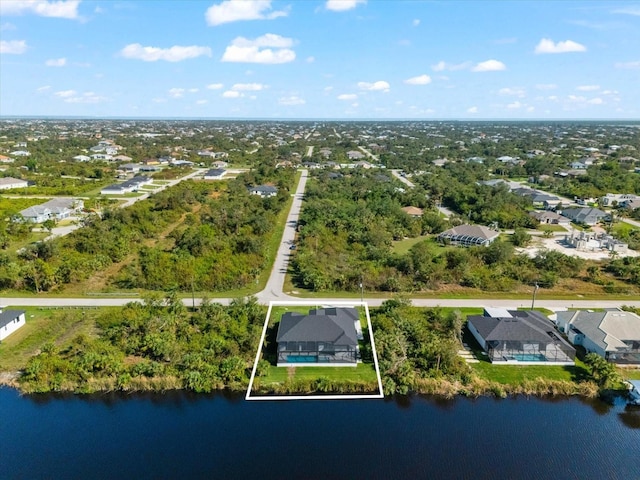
[{"x": 159, "y": 346}]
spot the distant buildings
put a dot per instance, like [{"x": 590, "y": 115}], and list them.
[
  {"x": 128, "y": 186},
  {"x": 264, "y": 191}
]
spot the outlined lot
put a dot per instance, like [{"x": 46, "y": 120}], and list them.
[{"x": 303, "y": 303}]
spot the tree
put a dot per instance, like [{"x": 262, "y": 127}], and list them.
[
  {"x": 520, "y": 237},
  {"x": 603, "y": 372},
  {"x": 48, "y": 224}
]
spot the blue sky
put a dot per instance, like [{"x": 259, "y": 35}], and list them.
[{"x": 321, "y": 59}]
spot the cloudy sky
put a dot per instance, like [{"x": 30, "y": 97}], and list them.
[{"x": 321, "y": 59}]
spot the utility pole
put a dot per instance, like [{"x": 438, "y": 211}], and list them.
[{"x": 533, "y": 302}]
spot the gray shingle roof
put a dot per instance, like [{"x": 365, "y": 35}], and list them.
[
  {"x": 8, "y": 316},
  {"x": 523, "y": 326},
  {"x": 606, "y": 329},
  {"x": 336, "y": 325}
]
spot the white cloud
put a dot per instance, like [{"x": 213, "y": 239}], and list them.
[
  {"x": 342, "y": 5},
  {"x": 173, "y": 54},
  {"x": 44, "y": 8},
  {"x": 215, "y": 86},
  {"x": 231, "y": 94},
  {"x": 588, "y": 88},
  {"x": 442, "y": 66},
  {"x": 56, "y": 62},
  {"x": 194, "y": 90},
  {"x": 235, "y": 10},
  {"x": 328, "y": 89},
  {"x": 256, "y": 51},
  {"x": 311, "y": 59},
  {"x": 515, "y": 105},
  {"x": 65, "y": 93},
  {"x": 419, "y": 80},
  {"x": 347, "y": 96},
  {"x": 291, "y": 100},
  {"x": 44, "y": 88},
  {"x": 512, "y": 92},
  {"x": 380, "y": 85},
  {"x": 202, "y": 102},
  {"x": 86, "y": 97},
  {"x": 595, "y": 101},
  {"x": 546, "y": 86},
  {"x": 415, "y": 22},
  {"x": 176, "y": 92},
  {"x": 14, "y": 47},
  {"x": 6, "y": 26},
  {"x": 547, "y": 45},
  {"x": 472, "y": 110},
  {"x": 628, "y": 65},
  {"x": 248, "y": 87},
  {"x": 489, "y": 66},
  {"x": 635, "y": 11}
]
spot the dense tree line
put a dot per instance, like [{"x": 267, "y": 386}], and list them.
[
  {"x": 154, "y": 345},
  {"x": 217, "y": 240}
]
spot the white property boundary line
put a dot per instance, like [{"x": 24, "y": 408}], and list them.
[{"x": 314, "y": 397}]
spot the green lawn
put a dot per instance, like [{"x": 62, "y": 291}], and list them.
[
  {"x": 43, "y": 325},
  {"x": 516, "y": 374},
  {"x": 551, "y": 227},
  {"x": 362, "y": 372},
  {"x": 403, "y": 246}
]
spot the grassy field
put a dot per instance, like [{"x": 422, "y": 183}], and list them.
[
  {"x": 552, "y": 228},
  {"x": 44, "y": 326},
  {"x": 363, "y": 372},
  {"x": 11, "y": 206},
  {"x": 403, "y": 246}
]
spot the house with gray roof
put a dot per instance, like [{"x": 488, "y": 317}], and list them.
[
  {"x": 128, "y": 186},
  {"x": 520, "y": 337},
  {"x": 584, "y": 215},
  {"x": 214, "y": 174},
  {"x": 469, "y": 235},
  {"x": 549, "y": 218},
  {"x": 264, "y": 191},
  {"x": 612, "y": 334},
  {"x": 8, "y": 183},
  {"x": 10, "y": 321},
  {"x": 323, "y": 337},
  {"x": 54, "y": 209}
]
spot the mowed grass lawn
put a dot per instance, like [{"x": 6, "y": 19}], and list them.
[
  {"x": 362, "y": 372},
  {"x": 516, "y": 374},
  {"x": 43, "y": 326},
  {"x": 403, "y": 246}
]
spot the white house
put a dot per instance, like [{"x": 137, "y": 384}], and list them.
[
  {"x": 20, "y": 153},
  {"x": 10, "y": 321},
  {"x": 131, "y": 185},
  {"x": 55, "y": 209},
  {"x": 614, "y": 335},
  {"x": 82, "y": 158},
  {"x": 264, "y": 191},
  {"x": 7, "y": 183}
]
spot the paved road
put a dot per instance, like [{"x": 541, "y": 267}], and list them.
[
  {"x": 396, "y": 173},
  {"x": 309, "y": 151},
  {"x": 373, "y": 302},
  {"x": 275, "y": 284},
  {"x": 369, "y": 154}
]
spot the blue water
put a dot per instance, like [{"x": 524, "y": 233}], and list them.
[
  {"x": 179, "y": 435},
  {"x": 302, "y": 358},
  {"x": 529, "y": 357}
]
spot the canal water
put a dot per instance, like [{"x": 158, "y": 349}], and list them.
[{"x": 180, "y": 435}]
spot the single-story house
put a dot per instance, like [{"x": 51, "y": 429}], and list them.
[
  {"x": 612, "y": 334},
  {"x": 325, "y": 336},
  {"x": 585, "y": 215},
  {"x": 414, "y": 212},
  {"x": 7, "y": 183},
  {"x": 130, "y": 167},
  {"x": 523, "y": 337},
  {"x": 469, "y": 235},
  {"x": 215, "y": 174},
  {"x": 354, "y": 155},
  {"x": 20, "y": 153},
  {"x": 122, "y": 158},
  {"x": 10, "y": 321},
  {"x": 54, "y": 209},
  {"x": 82, "y": 158},
  {"x": 5, "y": 159},
  {"x": 128, "y": 186},
  {"x": 264, "y": 191},
  {"x": 102, "y": 156},
  {"x": 551, "y": 218},
  {"x": 618, "y": 198}
]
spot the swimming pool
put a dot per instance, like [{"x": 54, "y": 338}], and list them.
[
  {"x": 302, "y": 358},
  {"x": 527, "y": 357}
]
